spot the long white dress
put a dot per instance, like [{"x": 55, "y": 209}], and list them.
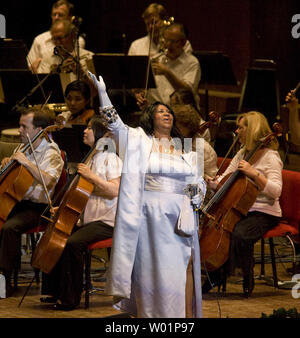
[{"x": 147, "y": 273}]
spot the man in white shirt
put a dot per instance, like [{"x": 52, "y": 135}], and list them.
[
  {"x": 43, "y": 43},
  {"x": 63, "y": 57},
  {"x": 173, "y": 71},
  {"x": 26, "y": 213},
  {"x": 154, "y": 17}
]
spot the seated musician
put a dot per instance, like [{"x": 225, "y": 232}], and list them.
[
  {"x": 65, "y": 282},
  {"x": 42, "y": 43},
  {"x": 63, "y": 58},
  {"x": 187, "y": 122},
  {"x": 294, "y": 121},
  {"x": 265, "y": 169},
  {"x": 26, "y": 213},
  {"x": 172, "y": 71},
  {"x": 77, "y": 97},
  {"x": 153, "y": 16},
  {"x": 185, "y": 107}
]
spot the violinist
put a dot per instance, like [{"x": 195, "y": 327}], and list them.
[
  {"x": 294, "y": 121},
  {"x": 77, "y": 97},
  {"x": 173, "y": 70},
  {"x": 61, "y": 9},
  {"x": 26, "y": 213},
  {"x": 63, "y": 57},
  {"x": 265, "y": 170},
  {"x": 153, "y": 16},
  {"x": 64, "y": 283},
  {"x": 188, "y": 122}
]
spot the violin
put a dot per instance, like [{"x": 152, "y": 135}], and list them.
[
  {"x": 15, "y": 179},
  {"x": 235, "y": 195},
  {"x": 213, "y": 119},
  {"x": 60, "y": 226}
]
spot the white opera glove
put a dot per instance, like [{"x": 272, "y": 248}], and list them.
[
  {"x": 100, "y": 85},
  {"x": 106, "y": 109}
]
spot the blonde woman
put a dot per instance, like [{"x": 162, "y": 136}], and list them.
[{"x": 265, "y": 169}]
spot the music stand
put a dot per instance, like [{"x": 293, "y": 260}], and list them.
[
  {"x": 121, "y": 71},
  {"x": 70, "y": 139},
  {"x": 261, "y": 92},
  {"x": 22, "y": 87},
  {"x": 13, "y": 55},
  {"x": 216, "y": 69}
]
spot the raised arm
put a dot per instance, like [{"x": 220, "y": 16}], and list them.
[{"x": 107, "y": 111}]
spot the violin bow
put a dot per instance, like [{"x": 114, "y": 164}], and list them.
[
  {"x": 149, "y": 61},
  {"x": 40, "y": 173}
]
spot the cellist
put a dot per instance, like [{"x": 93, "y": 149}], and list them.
[
  {"x": 26, "y": 213},
  {"x": 64, "y": 283},
  {"x": 265, "y": 169}
]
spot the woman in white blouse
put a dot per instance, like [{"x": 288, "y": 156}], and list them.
[
  {"x": 265, "y": 169},
  {"x": 65, "y": 281}
]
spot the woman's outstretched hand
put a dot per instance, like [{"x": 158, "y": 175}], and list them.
[{"x": 101, "y": 87}]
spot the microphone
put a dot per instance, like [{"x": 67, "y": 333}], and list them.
[
  {"x": 191, "y": 190},
  {"x": 76, "y": 20}
]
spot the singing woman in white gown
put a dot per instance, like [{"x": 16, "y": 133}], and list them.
[{"x": 155, "y": 263}]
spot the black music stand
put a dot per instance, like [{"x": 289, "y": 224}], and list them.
[
  {"x": 13, "y": 55},
  {"x": 70, "y": 139},
  {"x": 216, "y": 69},
  {"x": 121, "y": 71},
  {"x": 261, "y": 91},
  {"x": 21, "y": 87}
]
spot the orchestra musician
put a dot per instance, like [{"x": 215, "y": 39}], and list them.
[
  {"x": 294, "y": 121},
  {"x": 173, "y": 70},
  {"x": 64, "y": 283},
  {"x": 154, "y": 16},
  {"x": 43, "y": 43},
  {"x": 63, "y": 57},
  {"x": 154, "y": 269},
  {"x": 78, "y": 98},
  {"x": 265, "y": 169},
  {"x": 26, "y": 213}
]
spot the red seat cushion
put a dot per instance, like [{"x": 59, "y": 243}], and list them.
[
  {"x": 105, "y": 243},
  {"x": 280, "y": 230}
]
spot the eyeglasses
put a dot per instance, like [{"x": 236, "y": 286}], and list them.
[
  {"x": 60, "y": 38},
  {"x": 172, "y": 41}
]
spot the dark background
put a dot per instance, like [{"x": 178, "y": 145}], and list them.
[{"x": 242, "y": 29}]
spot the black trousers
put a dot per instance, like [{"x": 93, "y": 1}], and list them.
[
  {"x": 23, "y": 217},
  {"x": 245, "y": 234},
  {"x": 65, "y": 281}
]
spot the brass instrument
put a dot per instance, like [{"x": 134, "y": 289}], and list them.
[{"x": 57, "y": 108}]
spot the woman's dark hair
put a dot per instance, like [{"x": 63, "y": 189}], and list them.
[
  {"x": 98, "y": 128},
  {"x": 147, "y": 118},
  {"x": 80, "y": 86}
]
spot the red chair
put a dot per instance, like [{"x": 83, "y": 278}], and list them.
[
  {"x": 289, "y": 225},
  {"x": 105, "y": 243}
]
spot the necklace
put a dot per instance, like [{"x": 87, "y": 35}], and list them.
[{"x": 163, "y": 145}]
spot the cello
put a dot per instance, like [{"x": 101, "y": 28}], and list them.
[
  {"x": 60, "y": 226},
  {"x": 235, "y": 195},
  {"x": 15, "y": 179}
]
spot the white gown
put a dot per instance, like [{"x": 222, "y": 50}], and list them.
[{"x": 147, "y": 273}]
